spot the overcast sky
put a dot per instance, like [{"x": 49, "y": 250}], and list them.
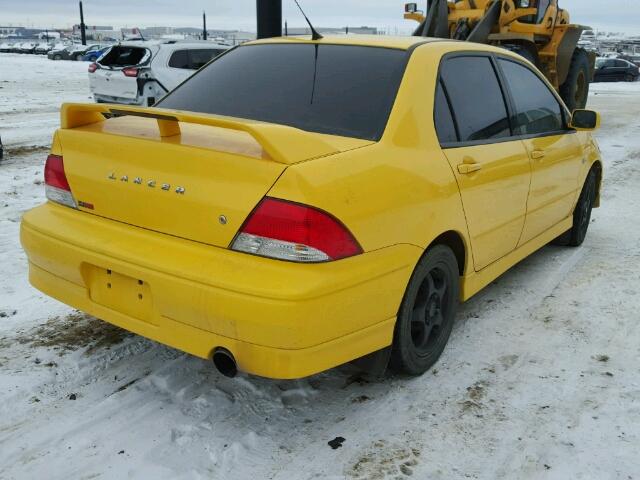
[{"x": 615, "y": 15}]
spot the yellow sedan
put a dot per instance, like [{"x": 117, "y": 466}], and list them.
[{"x": 300, "y": 204}]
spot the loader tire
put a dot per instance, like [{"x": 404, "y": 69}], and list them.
[{"x": 575, "y": 90}]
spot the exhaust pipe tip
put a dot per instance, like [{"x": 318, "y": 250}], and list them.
[{"x": 225, "y": 362}]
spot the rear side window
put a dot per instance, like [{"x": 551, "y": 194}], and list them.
[
  {"x": 192, "y": 59},
  {"x": 199, "y": 58},
  {"x": 179, "y": 59},
  {"x": 333, "y": 89},
  {"x": 537, "y": 110},
  {"x": 124, "y": 56},
  {"x": 443, "y": 119},
  {"x": 479, "y": 108}
]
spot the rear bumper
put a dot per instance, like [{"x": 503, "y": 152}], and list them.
[{"x": 279, "y": 319}]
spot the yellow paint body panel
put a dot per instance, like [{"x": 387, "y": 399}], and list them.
[{"x": 157, "y": 262}]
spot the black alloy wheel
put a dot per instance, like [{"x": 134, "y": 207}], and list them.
[
  {"x": 582, "y": 214},
  {"x": 427, "y": 312}
]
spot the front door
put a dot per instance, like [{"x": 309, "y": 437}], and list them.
[
  {"x": 555, "y": 150},
  {"x": 491, "y": 166}
]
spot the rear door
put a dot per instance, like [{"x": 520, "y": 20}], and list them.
[
  {"x": 491, "y": 166},
  {"x": 555, "y": 151}
]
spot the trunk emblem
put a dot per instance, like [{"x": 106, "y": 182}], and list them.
[{"x": 150, "y": 183}]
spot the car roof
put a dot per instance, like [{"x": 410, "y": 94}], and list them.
[
  {"x": 444, "y": 45},
  {"x": 382, "y": 41},
  {"x": 188, "y": 45}
]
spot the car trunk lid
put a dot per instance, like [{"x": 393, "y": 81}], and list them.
[{"x": 191, "y": 176}]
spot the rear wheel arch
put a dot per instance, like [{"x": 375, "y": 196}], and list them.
[{"x": 456, "y": 243}]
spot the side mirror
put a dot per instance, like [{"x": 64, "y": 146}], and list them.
[
  {"x": 410, "y": 7},
  {"x": 585, "y": 120}
]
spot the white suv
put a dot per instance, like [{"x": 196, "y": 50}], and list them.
[{"x": 141, "y": 73}]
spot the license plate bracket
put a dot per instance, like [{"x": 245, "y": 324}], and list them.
[{"x": 128, "y": 295}]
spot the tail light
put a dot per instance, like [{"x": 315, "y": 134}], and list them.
[
  {"x": 298, "y": 233},
  {"x": 93, "y": 67},
  {"x": 57, "y": 187},
  {"x": 130, "y": 72}
]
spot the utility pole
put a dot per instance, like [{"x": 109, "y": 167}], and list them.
[
  {"x": 204, "y": 25},
  {"x": 269, "y": 13},
  {"x": 83, "y": 33},
  {"x": 286, "y": 29}
]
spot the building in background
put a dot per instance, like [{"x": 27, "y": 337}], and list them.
[
  {"x": 298, "y": 31},
  {"x": 98, "y": 33}
]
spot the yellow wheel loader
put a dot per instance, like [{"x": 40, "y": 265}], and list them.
[{"x": 536, "y": 29}]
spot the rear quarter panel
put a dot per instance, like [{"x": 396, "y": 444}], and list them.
[{"x": 400, "y": 190}]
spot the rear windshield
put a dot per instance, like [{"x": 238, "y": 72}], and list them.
[
  {"x": 124, "y": 56},
  {"x": 334, "y": 89}
]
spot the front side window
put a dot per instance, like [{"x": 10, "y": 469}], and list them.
[
  {"x": 332, "y": 89},
  {"x": 479, "y": 108},
  {"x": 537, "y": 109}
]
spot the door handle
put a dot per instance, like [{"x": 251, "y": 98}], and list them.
[
  {"x": 469, "y": 167},
  {"x": 537, "y": 154}
]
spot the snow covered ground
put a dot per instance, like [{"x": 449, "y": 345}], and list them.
[{"x": 541, "y": 378}]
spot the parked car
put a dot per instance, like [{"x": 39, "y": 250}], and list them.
[
  {"x": 6, "y": 47},
  {"x": 615, "y": 70},
  {"x": 72, "y": 52},
  {"x": 79, "y": 53},
  {"x": 140, "y": 73},
  {"x": 93, "y": 55},
  {"x": 27, "y": 47},
  {"x": 297, "y": 204},
  {"x": 43, "y": 48}
]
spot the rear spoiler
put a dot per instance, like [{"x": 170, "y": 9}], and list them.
[{"x": 282, "y": 143}]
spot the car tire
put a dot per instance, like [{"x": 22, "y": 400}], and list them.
[
  {"x": 629, "y": 78},
  {"x": 582, "y": 214},
  {"x": 427, "y": 312},
  {"x": 78, "y": 57},
  {"x": 575, "y": 90},
  {"x": 57, "y": 57}
]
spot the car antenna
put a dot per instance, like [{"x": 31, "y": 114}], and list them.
[{"x": 314, "y": 33}]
